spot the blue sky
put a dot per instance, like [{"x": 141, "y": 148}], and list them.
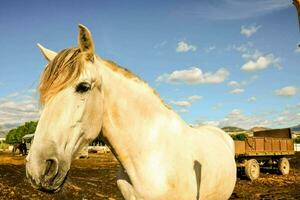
[{"x": 226, "y": 62}]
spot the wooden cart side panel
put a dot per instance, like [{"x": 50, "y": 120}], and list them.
[
  {"x": 250, "y": 144},
  {"x": 268, "y": 144},
  {"x": 290, "y": 145},
  {"x": 261, "y": 146},
  {"x": 239, "y": 147},
  {"x": 275, "y": 145},
  {"x": 283, "y": 145}
]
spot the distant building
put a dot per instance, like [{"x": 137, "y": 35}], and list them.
[{"x": 296, "y": 134}]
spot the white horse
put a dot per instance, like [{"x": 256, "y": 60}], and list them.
[{"x": 162, "y": 157}]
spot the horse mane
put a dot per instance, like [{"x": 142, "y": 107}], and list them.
[
  {"x": 67, "y": 66},
  {"x": 130, "y": 75},
  {"x": 60, "y": 72}
]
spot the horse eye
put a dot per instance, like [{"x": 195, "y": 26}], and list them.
[{"x": 83, "y": 87}]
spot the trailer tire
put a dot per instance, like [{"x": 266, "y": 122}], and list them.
[
  {"x": 252, "y": 169},
  {"x": 284, "y": 166}
]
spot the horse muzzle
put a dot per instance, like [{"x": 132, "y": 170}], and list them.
[{"x": 47, "y": 176}]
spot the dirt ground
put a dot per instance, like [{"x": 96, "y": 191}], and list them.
[{"x": 95, "y": 178}]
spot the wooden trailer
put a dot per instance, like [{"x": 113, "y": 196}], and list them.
[{"x": 268, "y": 148}]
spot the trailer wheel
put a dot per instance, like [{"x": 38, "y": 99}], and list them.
[
  {"x": 252, "y": 169},
  {"x": 284, "y": 166}
]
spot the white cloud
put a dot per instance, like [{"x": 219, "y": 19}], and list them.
[
  {"x": 286, "y": 91},
  {"x": 235, "y": 112},
  {"x": 237, "y": 118},
  {"x": 248, "y": 31},
  {"x": 185, "y": 47},
  {"x": 194, "y": 98},
  {"x": 252, "y": 99},
  {"x": 239, "y": 49},
  {"x": 194, "y": 75},
  {"x": 237, "y": 91},
  {"x": 18, "y": 108},
  {"x": 217, "y": 106},
  {"x": 233, "y": 84},
  {"x": 211, "y": 123},
  {"x": 280, "y": 119},
  {"x": 237, "y": 87},
  {"x": 181, "y": 103},
  {"x": 287, "y": 117},
  {"x": 232, "y": 9},
  {"x": 261, "y": 63},
  {"x": 251, "y": 54},
  {"x": 246, "y": 50},
  {"x": 210, "y": 48},
  {"x": 183, "y": 110},
  {"x": 255, "y": 59},
  {"x": 186, "y": 103}
]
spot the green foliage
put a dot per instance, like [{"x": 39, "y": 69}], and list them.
[
  {"x": 297, "y": 140},
  {"x": 3, "y": 145},
  {"x": 240, "y": 137},
  {"x": 15, "y": 135}
]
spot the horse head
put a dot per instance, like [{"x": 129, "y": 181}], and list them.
[{"x": 72, "y": 105}]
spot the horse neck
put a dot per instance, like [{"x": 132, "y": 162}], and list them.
[{"x": 132, "y": 113}]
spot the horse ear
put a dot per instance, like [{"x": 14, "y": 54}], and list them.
[
  {"x": 85, "y": 42},
  {"x": 48, "y": 54}
]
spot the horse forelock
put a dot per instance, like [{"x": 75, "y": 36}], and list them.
[{"x": 63, "y": 70}]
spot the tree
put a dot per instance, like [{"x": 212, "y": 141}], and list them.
[
  {"x": 241, "y": 136},
  {"x": 15, "y": 135},
  {"x": 297, "y": 140}
]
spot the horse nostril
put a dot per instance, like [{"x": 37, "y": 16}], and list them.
[{"x": 51, "y": 168}]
